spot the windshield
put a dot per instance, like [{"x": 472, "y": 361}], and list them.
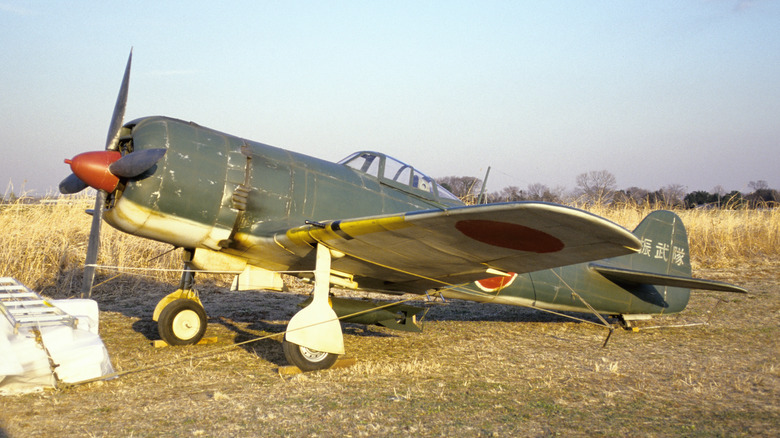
[{"x": 365, "y": 162}]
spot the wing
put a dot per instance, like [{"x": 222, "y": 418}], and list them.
[{"x": 421, "y": 250}]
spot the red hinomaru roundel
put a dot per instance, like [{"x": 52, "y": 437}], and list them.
[{"x": 495, "y": 284}]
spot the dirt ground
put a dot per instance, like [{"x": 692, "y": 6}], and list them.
[{"x": 476, "y": 370}]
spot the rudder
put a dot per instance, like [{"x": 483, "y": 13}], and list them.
[
  {"x": 664, "y": 245},
  {"x": 664, "y": 253}
]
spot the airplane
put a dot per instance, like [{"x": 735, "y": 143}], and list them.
[{"x": 367, "y": 222}]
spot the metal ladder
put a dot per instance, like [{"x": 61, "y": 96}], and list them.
[{"x": 25, "y": 308}]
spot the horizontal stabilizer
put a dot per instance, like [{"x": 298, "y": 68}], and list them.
[{"x": 622, "y": 275}]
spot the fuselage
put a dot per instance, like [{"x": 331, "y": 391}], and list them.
[
  {"x": 568, "y": 288},
  {"x": 224, "y": 193}
]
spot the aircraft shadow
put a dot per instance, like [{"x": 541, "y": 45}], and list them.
[
  {"x": 459, "y": 310},
  {"x": 137, "y": 299},
  {"x": 251, "y": 315}
]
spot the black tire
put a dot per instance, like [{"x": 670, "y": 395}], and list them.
[
  {"x": 307, "y": 359},
  {"x": 182, "y": 322}
]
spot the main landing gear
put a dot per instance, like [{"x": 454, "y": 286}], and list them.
[
  {"x": 313, "y": 340},
  {"x": 181, "y": 319}
]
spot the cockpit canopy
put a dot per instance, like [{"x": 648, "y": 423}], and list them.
[{"x": 387, "y": 168}]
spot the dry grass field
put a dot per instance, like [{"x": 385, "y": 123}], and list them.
[{"x": 476, "y": 370}]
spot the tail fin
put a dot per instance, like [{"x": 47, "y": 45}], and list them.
[
  {"x": 663, "y": 260},
  {"x": 664, "y": 246}
]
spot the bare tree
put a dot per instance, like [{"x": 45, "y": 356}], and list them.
[
  {"x": 719, "y": 192},
  {"x": 672, "y": 194},
  {"x": 596, "y": 186},
  {"x": 542, "y": 192},
  {"x": 758, "y": 185},
  {"x": 536, "y": 191},
  {"x": 464, "y": 187},
  {"x": 762, "y": 195},
  {"x": 632, "y": 194},
  {"x": 510, "y": 194}
]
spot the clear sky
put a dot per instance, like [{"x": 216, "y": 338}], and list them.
[{"x": 656, "y": 92}]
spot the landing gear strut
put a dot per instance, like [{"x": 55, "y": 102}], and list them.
[
  {"x": 314, "y": 339},
  {"x": 181, "y": 319}
]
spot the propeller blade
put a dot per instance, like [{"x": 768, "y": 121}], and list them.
[
  {"x": 136, "y": 163},
  {"x": 95, "y": 167},
  {"x": 72, "y": 184},
  {"x": 119, "y": 108},
  {"x": 93, "y": 245}
]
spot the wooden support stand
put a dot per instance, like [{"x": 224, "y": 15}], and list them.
[
  {"x": 291, "y": 370},
  {"x": 159, "y": 343}
]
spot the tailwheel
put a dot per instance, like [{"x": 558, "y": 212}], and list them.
[
  {"x": 307, "y": 359},
  {"x": 182, "y": 322}
]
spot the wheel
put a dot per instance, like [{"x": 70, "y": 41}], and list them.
[
  {"x": 307, "y": 359},
  {"x": 182, "y": 322}
]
